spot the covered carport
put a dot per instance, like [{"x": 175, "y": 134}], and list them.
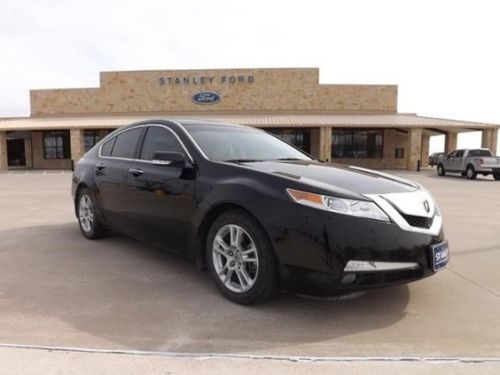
[{"x": 405, "y": 139}]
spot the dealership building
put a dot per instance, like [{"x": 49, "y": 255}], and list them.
[{"x": 349, "y": 124}]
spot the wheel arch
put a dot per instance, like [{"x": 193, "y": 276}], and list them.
[
  {"x": 211, "y": 215},
  {"x": 79, "y": 188}
]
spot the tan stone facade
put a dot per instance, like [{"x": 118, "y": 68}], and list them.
[
  {"x": 289, "y": 101},
  {"x": 241, "y": 90}
]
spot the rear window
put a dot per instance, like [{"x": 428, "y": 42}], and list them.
[
  {"x": 479, "y": 153},
  {"x": 126, "y": 143},
  {"x": 107, "y": 147}
]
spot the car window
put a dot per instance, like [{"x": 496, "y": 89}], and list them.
[
  {"x": 479, "y": 153},
  {"x": 459, "y": 154},
  {"x": 452, "y": 154},
  {"x": 159, "y": 139},
  {"x": 126, "y": 143},
  {"x": 107, "y": 147}
]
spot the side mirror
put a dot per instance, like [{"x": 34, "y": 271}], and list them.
[{"x": 168, "y": 158}]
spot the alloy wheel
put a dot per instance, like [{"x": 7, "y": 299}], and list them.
[
  {"x": 86, "y": 213},
  {"x": 235, "y": 258}
]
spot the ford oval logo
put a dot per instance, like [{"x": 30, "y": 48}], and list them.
[{"x": 206, "y": 97}]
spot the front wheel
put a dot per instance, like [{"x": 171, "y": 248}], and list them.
[
  {"x": 87, "y": 218},
  {"x": 241, "y": 259},
  {"x": 496, "y": 176},
  {"x": 440, "y": 170}
]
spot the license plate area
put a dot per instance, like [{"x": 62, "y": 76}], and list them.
[{"x": 440, "y": 255}]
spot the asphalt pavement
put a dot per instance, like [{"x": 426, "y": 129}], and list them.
[{"x": 67, "y": 303}]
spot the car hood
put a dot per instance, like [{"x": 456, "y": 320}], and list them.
[{"x": 334, "y": 177}]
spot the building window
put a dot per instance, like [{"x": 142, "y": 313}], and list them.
[
  {"x": 56, "y": 145},
  {"x": 300, "y": 138},
  {"x": 357, "y": 143},
  {"x": 399, "y": 153},
  {"x": 91, "y": 138}
]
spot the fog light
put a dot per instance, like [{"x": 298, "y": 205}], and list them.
[{"x": 348, "y": 279}]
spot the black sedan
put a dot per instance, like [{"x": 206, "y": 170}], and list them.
[{"x": 260, "y": 214}]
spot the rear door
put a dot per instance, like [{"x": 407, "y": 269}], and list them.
[
  {"x": 160, "y": 197},
  {"x": 111, "y": 172}
]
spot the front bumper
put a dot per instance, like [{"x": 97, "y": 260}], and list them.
[{"x": 322, "y": 256}]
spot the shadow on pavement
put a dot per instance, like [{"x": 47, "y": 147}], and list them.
[{"x": 59, "y": 289}]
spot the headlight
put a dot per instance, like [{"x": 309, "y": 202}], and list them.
[{"x": 339, "y": 205}]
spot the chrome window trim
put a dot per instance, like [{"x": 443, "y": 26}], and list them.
[
  {"x": 394, "y": 214},
  {"x": 198, "y": 148},
  {"x": 142, "y": 160}
]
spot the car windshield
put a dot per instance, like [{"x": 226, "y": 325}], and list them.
[{"x": 241, "y": 144}]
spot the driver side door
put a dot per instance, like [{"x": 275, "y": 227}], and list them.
[{"x": 160, "y": 197}]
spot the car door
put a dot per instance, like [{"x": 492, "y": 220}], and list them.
[
  {"x": 160, "y": 197},
  {"x": 111, "y": 172},
  {"x": 449, "y": 163},
  {"x": 458, "y": 160}
]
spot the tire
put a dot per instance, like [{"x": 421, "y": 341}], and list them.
[
  {"x": 470, "y": 172},
  {"x": 244, "y": 270},
  {"x": 496, "y": 176},
  {"x": 89, "y": 224},
  {"x": 441, "y": 171}
]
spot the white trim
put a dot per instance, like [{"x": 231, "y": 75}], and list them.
[{"x": 387, "y": 205}]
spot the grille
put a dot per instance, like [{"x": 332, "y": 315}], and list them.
[{"x": 419, "y": 221}]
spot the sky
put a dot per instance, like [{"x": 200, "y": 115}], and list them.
[{"x": 443, "y": 55}]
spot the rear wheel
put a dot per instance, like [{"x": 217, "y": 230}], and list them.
[
  {"x": 441, "y": 171},
  {"x": 87, "y": 218},
  {"x": 470, "y": 172},
  {"x": 241, "y": 259}
]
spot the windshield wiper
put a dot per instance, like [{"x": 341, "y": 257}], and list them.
[
  {"x": 289, "y": 159},
  {"x": 243, "y": 160}
]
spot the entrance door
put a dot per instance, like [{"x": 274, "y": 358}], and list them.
[{"x": 16, "y": 155}]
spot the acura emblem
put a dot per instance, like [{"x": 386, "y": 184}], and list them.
[{"x": 427, "y": 208}]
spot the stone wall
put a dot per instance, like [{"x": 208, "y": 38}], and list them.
[{"x": 240, "y": 90}]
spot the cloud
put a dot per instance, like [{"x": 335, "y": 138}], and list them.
[{"x": 442, "y": 54}]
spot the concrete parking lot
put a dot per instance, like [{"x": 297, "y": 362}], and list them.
[{"x": 61, "y": 291}]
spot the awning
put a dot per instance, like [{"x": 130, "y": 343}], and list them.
[{"x": 397, "y": 120}]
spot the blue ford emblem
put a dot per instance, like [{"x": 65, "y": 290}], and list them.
[{"x": 206, "y": 97}]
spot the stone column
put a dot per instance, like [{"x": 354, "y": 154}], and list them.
[
  {"x": 424, "y": 157},
  {"x": 489, "y": 139},
  {"x": 3, "y": 151},
  {"x": 325, "y": 142},
  {"x": 321, "y": 143},
  {"x": 77, "y": 138},
  {"x": 414, "y": 148},
  {"x": 28, "y": 152},
  {"x": 450, "y": 142}
]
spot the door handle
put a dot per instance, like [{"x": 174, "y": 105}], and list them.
[
  {"x": 100, "y": 166},
  {"x": 136, "y": 172}
]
